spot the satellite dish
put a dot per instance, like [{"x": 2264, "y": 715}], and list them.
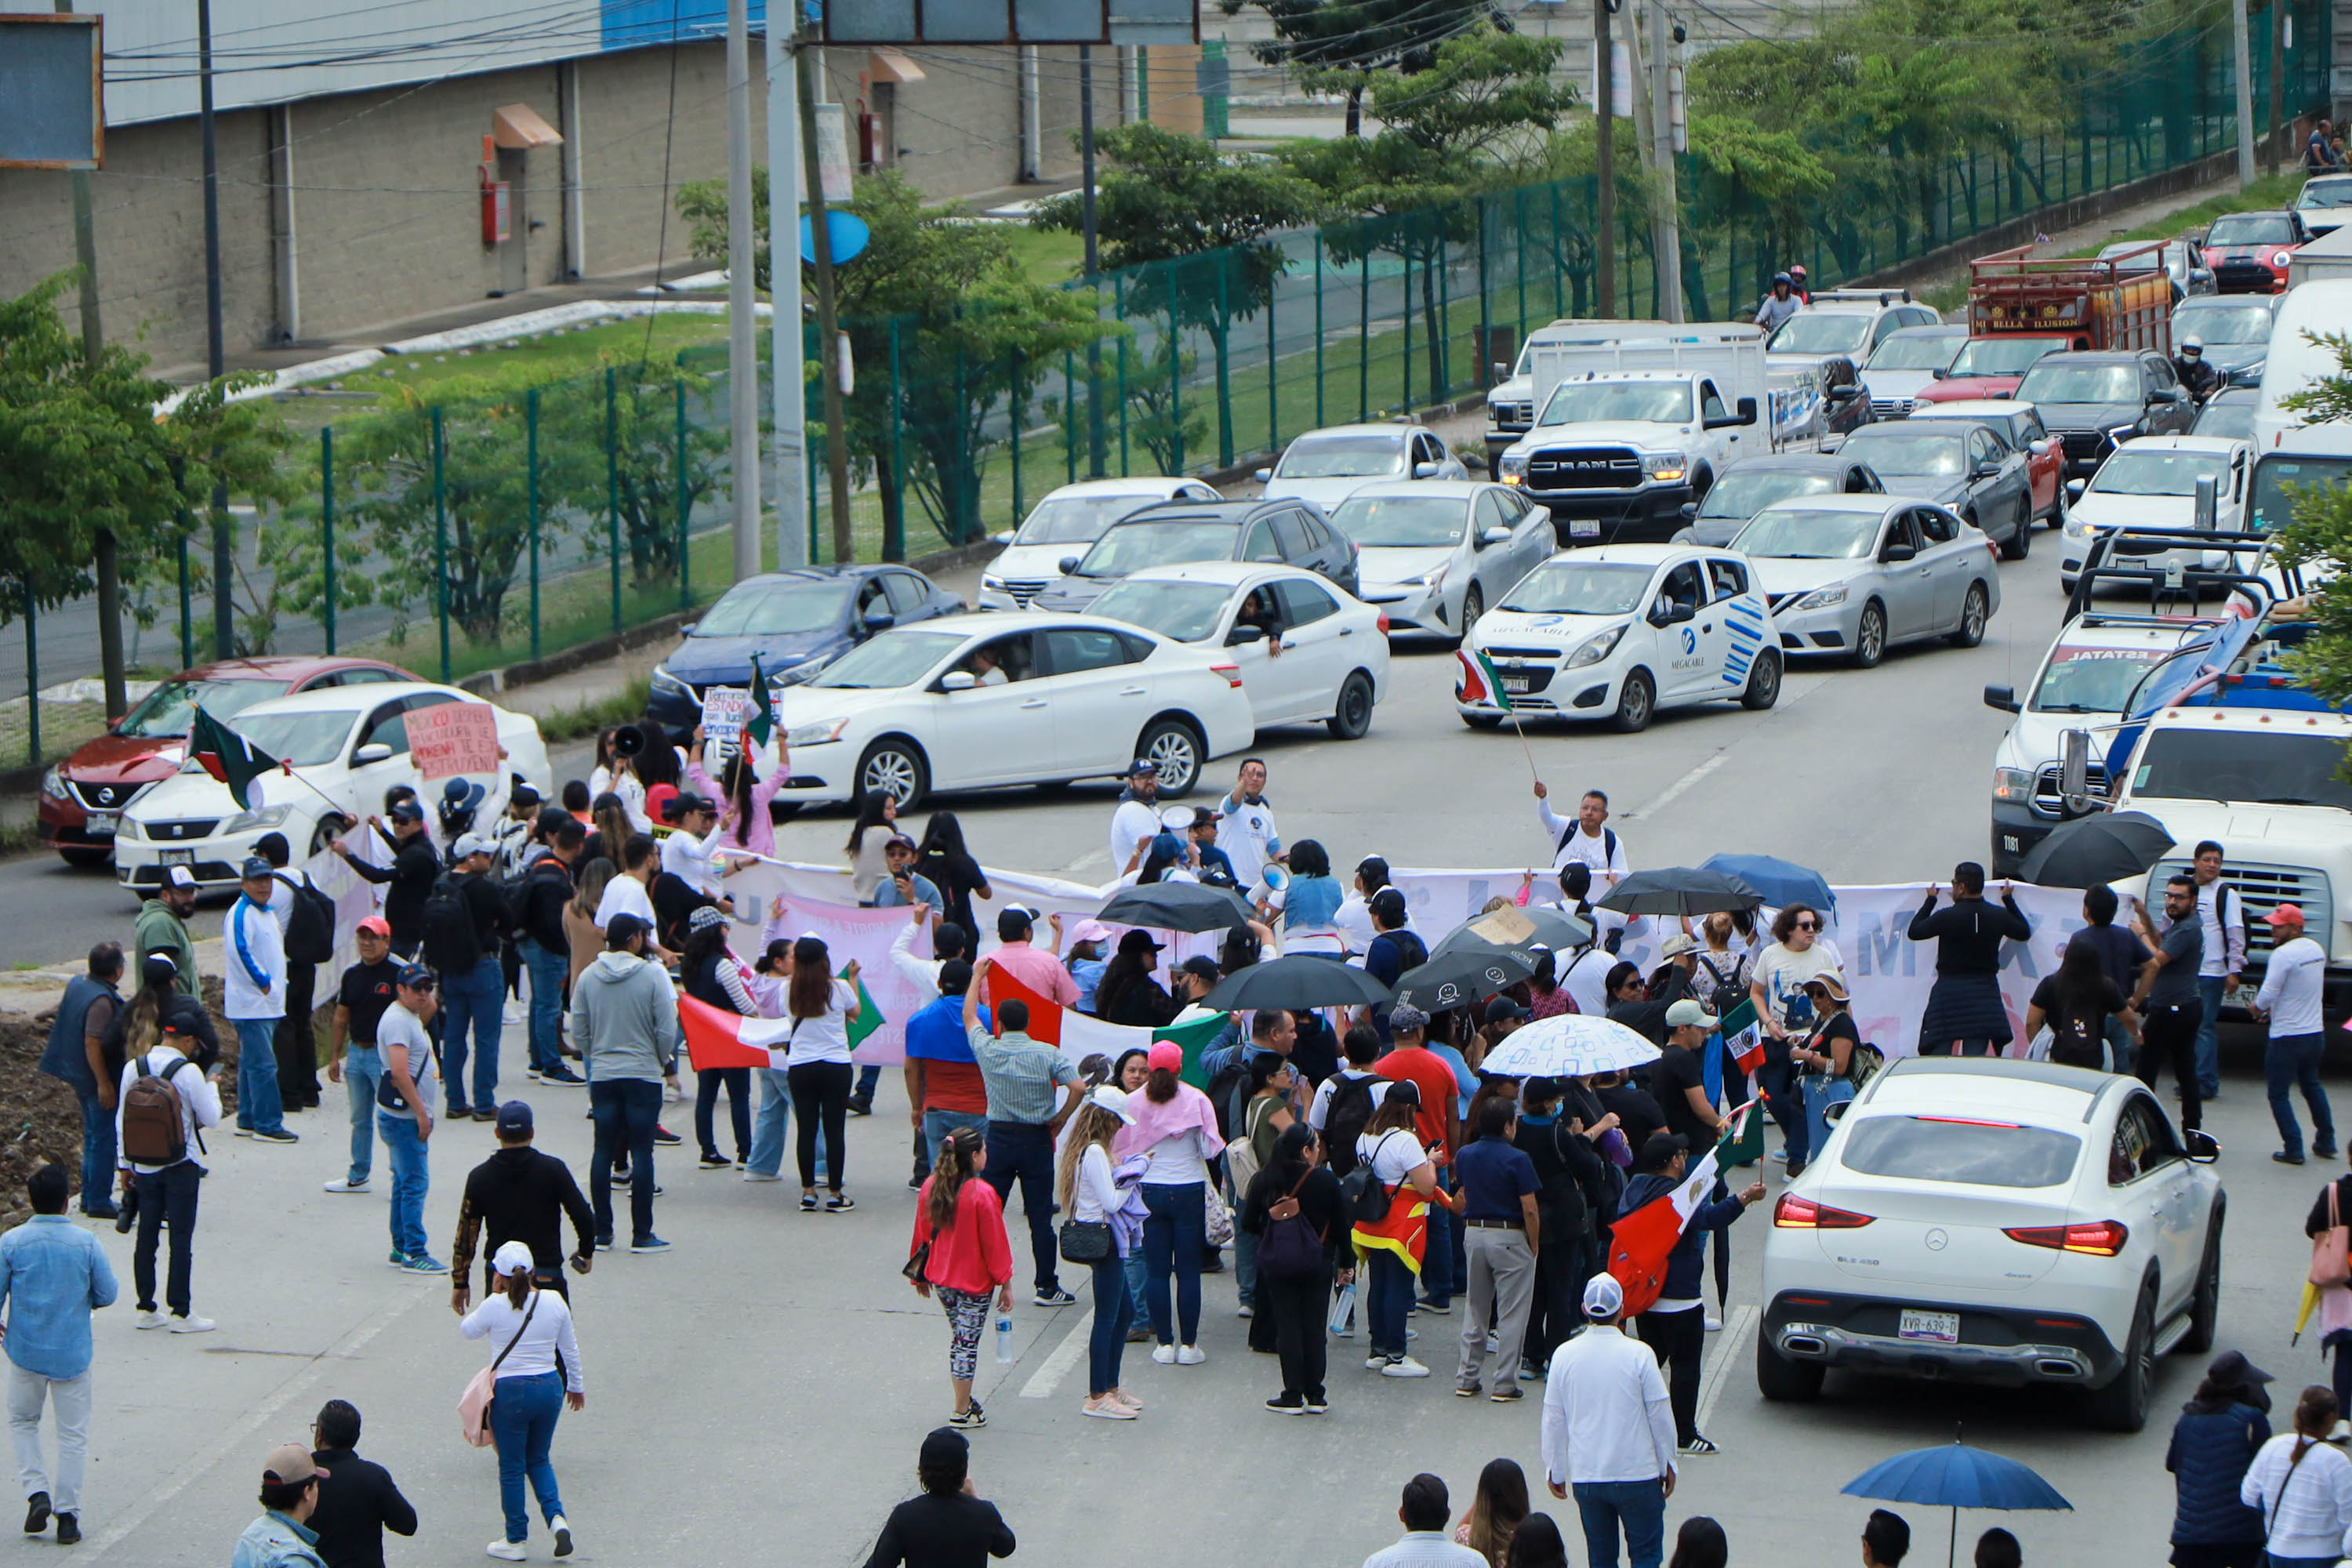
[{"x": 847, "y": 232}]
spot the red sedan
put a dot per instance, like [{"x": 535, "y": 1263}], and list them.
[
  {"x": 1988, "y": 367},
  {"x": 83, "y": 797}
]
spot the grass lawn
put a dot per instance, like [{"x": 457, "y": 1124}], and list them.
[
  {"x": 1048, "y": 257},
  {"x": 2271, "y": 191}
]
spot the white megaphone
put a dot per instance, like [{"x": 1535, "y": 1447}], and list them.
[{"x": 1276, "y": 877}]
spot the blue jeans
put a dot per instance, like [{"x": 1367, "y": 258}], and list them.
[
  {"x": 1441, "y": 1263},
  {"x": 937, "y": 1125},
  {"x": 257, "y": 1108},
  {"x": 1820, "y": 1092},
  {"x": 97, "y": 1151},
  {"x": 410, "y": 1178},
  {"x": 1387, "y": 1297},
  {"x": 1132, "y": 1265},
  {"x": 768, "y": 1126},
  {"x": 2293, "y": 1061},
  {"x": 2209, "y": 1036},
  {"x": 476, "y": 1001},
  {"x": 1173, "y": 1236},
  {"x": 362, "y": 1070},
  {"x": 548, "y": 971},
  {"x": 1114, "y": 1310},
  {"x": 1777, "y": 1082},
  {"x": 624, "y": 1110},
  {"x": 867, "y": 1077},
  {"x": 523, "y": 1423},
  {"x": 1639, "y": 1505}
]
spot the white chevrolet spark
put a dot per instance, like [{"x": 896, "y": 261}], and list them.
[{"x": 1993, "y": 1221}]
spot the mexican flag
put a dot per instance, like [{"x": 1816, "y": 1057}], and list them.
[
  {"x": 716, "y": 1037},
  {"x": 1080, "y": 1036},
  {"x": 1742, "y": 1033},
  {"x": 230, "y": 757},
  {"x": 1641, "y": 1241},
  {"x": 1479, "y": 682},
  {"x": 762, "y": 721}
]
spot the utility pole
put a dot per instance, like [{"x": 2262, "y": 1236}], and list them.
[
  {"x": 1666, "y": 220},
  {"x": 1096, "y": 443},
  {"x": 93, "y": 348},
  {"x": 2274, "y": 133},
  {"x": 784, "y": 378},
  {"x": 1605, "y": 150},
  {"x": 743, "y": 330},
  {"x": 2241, "y": 51},
  {"x": 829, "y": 333},
  {"x": 215, "y": 355}
]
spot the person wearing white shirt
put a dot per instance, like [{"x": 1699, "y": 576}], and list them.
[
  {"x": 1137, "y": 821},
  {"x": 1425, "y": 1544},
  {"x": 1586, "y": 839},
  {"x": 2303, "y": 1485},
  {"x": 625, "y": 894},
  {"x": 2222, "y": 912},
  {"x": 1246, "y": 831},
  {"x": 252, "y": 995},
  {"x": 686, "y": 853},
  {"x": 536, "y": 1372},
  {"x": 1609, "y": 1431},
  {"x": 947, "y": 941},
  {"x": 2290, "y": 1000},
  {"x": 167, "y": 1189}
]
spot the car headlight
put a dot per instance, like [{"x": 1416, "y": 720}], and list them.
[
  {"x": 1822, "y": 598},
  {"x": 989, "y": 580},
  {"x": 2280, "y": 258},
  {"x": 53, "y": 783},
  {"x": 663, "y": 680},
  {"x": 817, "y": 734},
  {"x": 1433, "y": 579},
  {"x": 1595, "y": 648},
  {"x": 2012, "y": 785},
  {"x": 1512, "y": 466},
  {"x": 1666, "y": 467},
  {"x": 2075, "y": 528},
  {"x": 255, "y": 821}
]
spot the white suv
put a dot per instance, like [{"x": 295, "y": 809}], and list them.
[{"x": 2001, "y": 1221}]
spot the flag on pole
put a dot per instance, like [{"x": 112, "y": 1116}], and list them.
[
  {"x": 1081, "y": 1036},
  {"x": 229, "y": 756},
  {"x": 1479, "y": 682},
  {"x": 1742, "y": 1142},
  {"x": 762, "y": 721},
  {"x": 1742, "y": 1032}
]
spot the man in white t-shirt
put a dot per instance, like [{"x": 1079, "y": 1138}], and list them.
[
  {"x": 404, "y": 1113},
  {"x": 2290, "y": 1001},
  {"x": 2222, "y": 912},
  {"x": 252, "y": 995},
  {"x": 1357, "y": 1069},
  {"x": 627, "y": 894},
  {"x": 1249, "y": 836},
  {"x": 1137, "y": 820},
  {"x": 1588, "y": 840}
]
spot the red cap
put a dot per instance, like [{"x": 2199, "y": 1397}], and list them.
[
  {"x": 375, "y": 925},
  {"x": 2286, "y": 915}
]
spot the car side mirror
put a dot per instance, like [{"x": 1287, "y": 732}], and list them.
[
  {"x": 687, "y": 630},
  {"x": 1844, "y": 391},
  {"x": 1672, "y": 614},
  {"x": 880, "y": 621},
  {"x": 2203, "y": 1147},
  {"x": 2075, "y": 489},
  {"x": 958, "y": 680},
  {"x": 1474, "y": 461},
  {"x": 1067, "y": 565},
  {"x": 1897, "y": 551},
  {"x": 1986, "y": 469},
  {"x": 2038, "y": 449},
  {"x": 1004, "y": 538},
  {"x": 1940, "y": 375},
  {"x": 1834, "y": 1113},
  {"x": 1241, "y": 635},
  {"x": 1498, "y": 369},
  {"x": 374, "y": 752},
  {"x": 1689, "y": 509},
  {"x": 2002, "y": 696},
  {"x": 1261, "y": 475},
  {"x": 1424, "y": 470},
  {"x": 1496, "y": 535}
]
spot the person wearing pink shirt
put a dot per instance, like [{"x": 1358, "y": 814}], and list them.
[{"x": 1038, "y": 968}]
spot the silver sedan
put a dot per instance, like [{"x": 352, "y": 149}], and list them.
[
  {"x": 1855, "y": 574},
  {"x": 1437, "y": 552}
]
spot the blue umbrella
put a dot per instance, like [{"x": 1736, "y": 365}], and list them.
[
  {"x": 1956, "y": 1477},
  {"x": 1782, "y": 882}
]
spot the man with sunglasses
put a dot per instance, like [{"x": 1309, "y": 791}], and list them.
[{"x": 1965, "y": 1016}]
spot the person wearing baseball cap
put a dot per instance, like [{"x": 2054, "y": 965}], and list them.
[
  {"x": 1678, "y": 1078},
  {"x": 465, "y": 951},
  {"x": 253, "y": 996},
  {"x": 409, "y": 879},
  {"x": 1675, "y": 1326},
  {"x": 519, "y": 1195},
  {"x": 283, "y": 1536},
  {"x": 536, "y": 1374},
  {"x": 164, "y": 926},
  {"x": 405, "y": 1111},
  {"x": 366, "y": 990},
  {"x": 1136, "y": 821},
  {"x": 1607, "y": 1430},
  {"x": 2289, "y": 1002}
]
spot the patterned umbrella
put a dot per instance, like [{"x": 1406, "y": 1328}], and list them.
[{"x": 1570, "y": 1044}]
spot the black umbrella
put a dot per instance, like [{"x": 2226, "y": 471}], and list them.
[
  {"x": 1177, "y": 906},
  {"x": 1555, "y": 928},
  {"x": 1680, "y": 890},
  {"x": 1301, "y": 980},
  {"x": 2095, "y": 850},
  {"x": 1464, "y": 975}
]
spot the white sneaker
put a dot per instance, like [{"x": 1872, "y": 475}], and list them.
[
  {"x": 1405, "y": 1366},
  {"x": 1375, "y": 1363},
  {"x": 154, "y": 1320},
  {"x": 764, "y": 1175},
  {"x": 1164, "y": 1355},
  {"x": 193, "y": 1325},
  {"x": 562, "y": 1527},
  {"x": 345, "y": 1185},
  {"x": 505, "y": 1551},
  {"x": 1190, "y": 1355},
  {"x": 1714, "y": 1324}
]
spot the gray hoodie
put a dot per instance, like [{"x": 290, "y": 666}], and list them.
[{"x": 625, "y": 1019}]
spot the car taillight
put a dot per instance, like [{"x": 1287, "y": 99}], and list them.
[
  {"x": 2102, "y": 1239},
  {"x": 1793, "y": 1213},
  {"x": 1384, "y": 623},
  {"x": 1231, "y": 672}
]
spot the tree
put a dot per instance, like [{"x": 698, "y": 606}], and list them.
[
  {"x": 1344, "y": 46},
  {"x": 703, "y": 204},
  {"x": 1771, "y": 169}
]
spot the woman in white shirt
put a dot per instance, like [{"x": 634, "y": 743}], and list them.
[
  {"x": 816, "y": 1064},
  {"x": 536, "y": 1373},
  {"x": 1390, "y": 1146},
  {"x": 1175, "y": 1130},
  {"x": 1088, "y": 1192},
  {"x": 1799, "y": 953},
  {"x": 2303, "y": 1485}
]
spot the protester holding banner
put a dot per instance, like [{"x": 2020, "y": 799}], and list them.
[
  {"x": 1965, "y": 1016},
  {"x": 710, "y": 975},
  {"x": 415, "y": 866}
]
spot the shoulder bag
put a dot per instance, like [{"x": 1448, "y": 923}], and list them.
[
  {"x": 481, "y": 1390},
  {"x": 1085, "y": 1241},
  {"x": 2329, "y": 1263}
]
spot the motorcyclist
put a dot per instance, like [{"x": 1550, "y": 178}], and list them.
[
  {"x": 1798, "y": 285},
  {"x": 1778, "y": 305},
  {"x": 2200, "y": 379}
]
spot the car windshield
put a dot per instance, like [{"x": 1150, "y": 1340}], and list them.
[
  {"x": 2132, "y": 472},
  {"x": 1744, "y": 493},
  {"x": 1132, "y": 546},
  {"x": 304, "y": 739},
  {"x": 775, "y": 609},
  {"x": 1977, "y": 1153},
  {"x": 1402, "y": 521},
  {"x": 2232, "y": 418},
  {"x": 2326, "y": 194},
  {"x": 892, "y": 660},
  {"x": 1928, "y": 350},
  {"x": 1342, "y": 458},
  {"x": 1821, "y": 333},
  {"x": 2080, "y": 679},
  {"x": 2047, "y": 384},
  {"x": 169, "y": 710},
  {"x": 2003, "y": 356},
  {"x": 2233, "y": 764},
  {"x": 2252, "y": 228},
  {"x": 2224, "y": 324},
  {"x": 1078, "y": 519},
  {"x": 1581, "y": 588},
  {"x": 1185, "y": 611},
  {"x": 1630, "y": 401},
  {"x": 1890, "y": 449},
  {"x": 2281, "y": 482},
  {"x": 1803, "y": 534},
  {"x": 2136, "y": 257}
]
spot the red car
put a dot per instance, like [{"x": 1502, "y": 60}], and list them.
[
  {"x": 1988, "y": 367},
  {"x": 83, "y": 797},
  {"x": 2020, "y": 425},
  {"x": 2248, "y": 252}
]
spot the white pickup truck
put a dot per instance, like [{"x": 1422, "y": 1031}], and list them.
[{"x": 1635, "y": 419}]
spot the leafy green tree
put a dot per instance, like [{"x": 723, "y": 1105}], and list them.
[
  {"x": 703, "y": 204},
  {"x": 1344, "y": 45},
  {"x": 2322, "y": 532}
]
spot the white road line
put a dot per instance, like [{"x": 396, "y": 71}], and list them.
[
  {"x": 1083, "y": 861},
  {"x": 1730, "y": 1344},
  {"x": 1674, "y": 790},
  {"x": 1048, "y": 1377}
]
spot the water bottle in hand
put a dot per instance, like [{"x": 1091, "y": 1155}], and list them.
[{"x": 1004, "y": 1339}]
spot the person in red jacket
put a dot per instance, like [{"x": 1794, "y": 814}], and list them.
[{"x": 963, "y": 1255}]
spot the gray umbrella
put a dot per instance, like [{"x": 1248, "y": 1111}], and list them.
[{"x": 1554, "y": 929}]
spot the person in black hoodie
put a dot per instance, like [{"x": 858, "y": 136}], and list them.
[
  {"x": 949, "y": 1525},
  {"x": 1674, "y": 1325},
  {"x": 1298, "y": 1302},
  {"x": 415, "y": 866},
  {"x": 539, "y": 899},
  {"x": 1965, "y": 1016},
  {"x": 358, "y": 1499},
  {"x": 519, "y": 1195},
  {"x": 1571, "y": 1190}
]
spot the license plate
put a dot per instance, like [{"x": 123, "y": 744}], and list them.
[
  {"x": 104, "y": 823},
  {"x": 1934, "y": 1328},
  {"x": 1584, "y": 528},
  {"x": 177, "y": 857},
  {"x": 1514, "y": 683}
]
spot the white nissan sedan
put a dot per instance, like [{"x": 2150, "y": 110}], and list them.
[
  {"x": 2001, "y": 1221},
  {"x": 1022, "y": 697}
]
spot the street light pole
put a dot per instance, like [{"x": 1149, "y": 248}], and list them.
[
  {"x": 742, "y": 331},
  {"x": 215, "y": 355}
]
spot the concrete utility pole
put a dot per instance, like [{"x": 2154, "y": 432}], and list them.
[
  {"x": 2242, "y": 54},
  {"x": 93, "y": 347},
  {"x": 1604, "y": 150},
  {"x": 2274, "y": 133},
  {"x": 784, "y": 377},
  {"x": 1097, "y": 442},
  {"x": 829, "y": 333},
  {"x": 1666, "y": 222},
  {"x": 742, "y": 339},
  {"x": 215, "y": 355}
]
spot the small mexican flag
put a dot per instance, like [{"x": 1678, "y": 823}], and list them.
[
  {"x": 1479, "y": 682},
  {"x": 762, "y": 721},
  {"x": 1742, "y": 1033},
  {"x": 230, "y": 757}
]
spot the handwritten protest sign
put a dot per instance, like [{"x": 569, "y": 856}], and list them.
[
  {"x": 453, "y": 738},
  {"x": 724, "y": 710}
]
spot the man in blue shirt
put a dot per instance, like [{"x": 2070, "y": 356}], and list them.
[
  {"x": 1501, "y": 1232},
  {"x": 52, "y": 1276}
]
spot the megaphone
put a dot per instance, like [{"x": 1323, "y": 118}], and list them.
[
  {"x": 628, "y": 740},
  {"x": 1276, "y": 877}
]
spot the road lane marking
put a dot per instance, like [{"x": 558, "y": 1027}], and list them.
[
  {"x": 1083, "y": 861},
  {"x": 1048, "y": 1377},
  {"x": 1674, "y": 790},
  {"x": 1734, "y": 1333}
]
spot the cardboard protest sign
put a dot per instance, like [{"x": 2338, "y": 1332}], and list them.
[{"x": 453, "y": 738}]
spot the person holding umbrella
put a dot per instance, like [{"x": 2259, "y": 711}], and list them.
[{"x": 1965, "y": 1014}]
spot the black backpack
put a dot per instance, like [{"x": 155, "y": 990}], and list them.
[
  {"x": 1291, "y": 1247},
  {"x": 311, "y": 928},
  {"x": 1367, "y": 1194},
  {"x": 1222, "y": 1084},
  {"x": 1344, "y": 1120},
  {"x": 1723, "y": 994},
  {"x": 452, "y": 946}
]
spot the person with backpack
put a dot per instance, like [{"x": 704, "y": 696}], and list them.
[
  {"x": 2076, "y": 1004},
  {"x": 252, "y": 995},
  {"x": 466, "y": 918},
  {"x": 545, "y": 945},
  {"x": 1295, "y": 1210},
  {"x": 162, "y": 1106},
  {"x": 1571, "y": 1188},
  {"x": 305, "y": 923},
  {"x": 1389, "y": 1194},
  {"x": 2221, "y": 918},
  {"x": 1587, "y": 840},
  {"x": 1438, "y": 1124},
  {"x": 409, "y": 881},
  {"x": 1394, "y": 950},
  {"x": 1344, "y": 1103},
  {"x": 53, "y": 1275},
  {"x": 405, "y": 1113},
  {"x": 76, "y": 1056}
]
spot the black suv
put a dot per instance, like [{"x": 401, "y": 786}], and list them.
[
  {"x": 2091, "y": 401},
  {"x": 1172, "y": 533}
]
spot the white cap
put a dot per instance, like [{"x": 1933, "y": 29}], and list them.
[
  {"x": 472, "y": 844},
  {"x": 1603, "y": 1297},
  {"x": 514, "y": 1257},
  {"x": 178, "y": 877},
  {"x": 1113, "y": 1101}
]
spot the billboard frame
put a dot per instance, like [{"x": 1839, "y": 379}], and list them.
[{"x": 95, "y": 26}]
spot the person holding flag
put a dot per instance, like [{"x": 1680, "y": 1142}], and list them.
[
  {"x": 254, "y": 996},
  {"x": 1658, "y": 1251},
  {"x": 824, "y": 1009}
]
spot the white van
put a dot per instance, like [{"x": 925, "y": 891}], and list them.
[{"x": 2299, "y": 354}]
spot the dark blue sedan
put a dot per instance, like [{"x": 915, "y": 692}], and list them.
[{"x": 794, "y": 621}]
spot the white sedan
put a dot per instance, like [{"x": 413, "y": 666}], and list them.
[
  {"x": 1332, "y": 664},
  {"x": 1026, "y": 697},
  {"x": 2151, "y": 483},
  {"x": 1994, "y": 1221},
  {"x": 1856, "y": 574},
  {"x": 1070, "y": 519},
  {"x": 1436, "y": 552},
  {"x": 1326, "y": 467},
  {"x": 348, "y": 745}
]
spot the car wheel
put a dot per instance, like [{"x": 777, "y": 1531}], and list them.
[
  {"x": 1637, "y": 698},
  {"x": 2205, "y": 1307},
  {"x": 1474, "y": 605},
  {"x": 2021, "y": 537},
  {"x": 87, "y": 859},
  {"x": 1352, "y": 719},
  {"x": 895, "y": 765},
  {"x": 1784, "y": 1381},
  {"x": 1177, "y": 747},
  {"x": 1763, "y": 683},
  {"x": 1870, "y": 637},
  {"x": 1481, "y": 720},
  {"x": 1974, "y": 610},
  {"x": 2122, "y": 1405},
  {"x": 2066, "y": 586}
]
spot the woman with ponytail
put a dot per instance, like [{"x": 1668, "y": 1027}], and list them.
[
  {"x": 959, "y": 1251},
  {"x": 2303, "y": 1485},
  {"x": 536, "y": 1373},
  {"x": 1176, "y": 1132},
  {"x": 1089, "y": 1193}
]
